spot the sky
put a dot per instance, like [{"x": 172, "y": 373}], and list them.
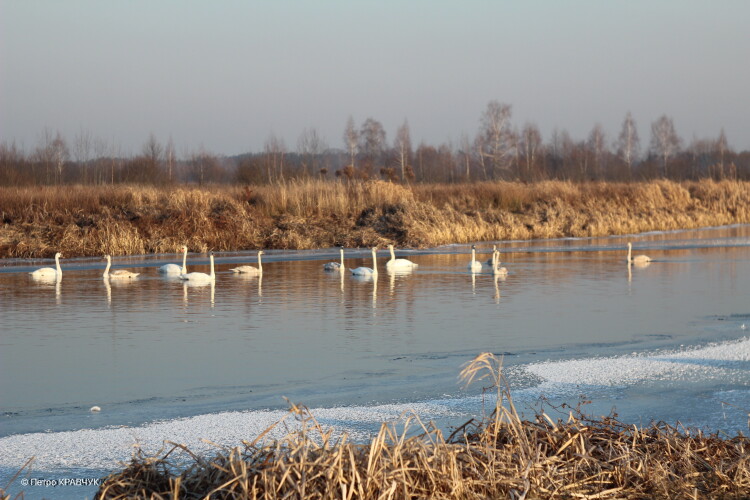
[{"x": 224, "y": 76}]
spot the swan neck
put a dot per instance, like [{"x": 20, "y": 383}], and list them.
[
  {"x": 260, "y": 263},
  {"x": 342, "y": 257},
  {"x": 184, "y": 261},
  {"x": 211, "y": 258},
  {"x": 106, "y": 270},
  {"x": 57, "y": 264},
  {"x": 393, "y": 254}
]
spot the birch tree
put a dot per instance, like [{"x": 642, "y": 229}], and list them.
[
  {"x": 664, "y": 140},
  {"x": 597, "y": 146},
  {"x": 530, "y": 145},
  {"x": 628, "y": 144},
  {"x": 498, "y": 144},
  {"x": 402, "y": 145},
  {"x": 351, "y": 140}
]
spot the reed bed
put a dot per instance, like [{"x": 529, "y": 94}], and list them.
[
  {"x": 500, "y": 455},
  {"x": 127, "y": 220}
]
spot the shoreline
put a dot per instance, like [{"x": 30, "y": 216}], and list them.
[{"x": 132, "y": 220}]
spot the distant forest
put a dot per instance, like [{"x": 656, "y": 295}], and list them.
[{"x": 499, "y": 151}]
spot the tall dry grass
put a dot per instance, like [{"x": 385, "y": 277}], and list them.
[
  {"x": 498, "y": 456},
  {"x": 126, "y": 220}
]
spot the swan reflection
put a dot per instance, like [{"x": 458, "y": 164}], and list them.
[
  {"x": 48, "y": 281},
  {"x": 187, "y": 284},
  {"x": 393, "y": 273},
  {"x": 108, "y": 287}
]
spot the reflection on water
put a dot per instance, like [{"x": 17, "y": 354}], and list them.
[
  {"x": 180, "y": 348},
  {"x": 660, "y": 341}
]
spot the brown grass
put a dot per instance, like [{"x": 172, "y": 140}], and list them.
[
  {"x": 499, "y": 456},
  {"x": 126, "y": 220}
]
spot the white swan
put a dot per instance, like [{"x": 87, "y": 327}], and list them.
[
  {"x": 174, "y": 268},
  {"x": 638, "y": 259},
  {"x": 203, "y": 277},
  {"x": 336, "y": 266},
  {"x": 395, "y": 263},
  {"x": 497, "y": 270},
  {"x": 491, "y": 261},
  {"x": 366, "y": 271},
  {"x": 49, "y": 272},
  {"x": 119, "y": 273},
  {"x": 474, "y": 266},
  {"x": 250, "y": 269}
]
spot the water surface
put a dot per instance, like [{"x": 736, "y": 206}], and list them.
[{"x": 165, "y": 360}]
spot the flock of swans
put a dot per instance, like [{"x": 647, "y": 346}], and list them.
[{"x": 392, "y": 265}]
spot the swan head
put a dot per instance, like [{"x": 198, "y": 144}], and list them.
[
  {"x": 58, "y": 255},
  {"x": 261, "y": 252}
]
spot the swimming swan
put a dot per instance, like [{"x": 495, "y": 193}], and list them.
[
  {"x": 250, "y": 269},
  {"x": 174, "y": 268},
  {"x": 474, "y": 266},
  {"x": 193, "y": 277},
  {"x": 395, "y": 263},
  {"x": 366, "y": 271},
  {"x": 49, "y": 272},
  {"x": 335, "y": 266},
  {"x": 491, "y": 260},
  {"x": 638, "y": 259},
  {"x": 119, "y": 273},
  {"x": 497, "y": 270}
]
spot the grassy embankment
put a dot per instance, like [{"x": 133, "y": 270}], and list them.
[
  {"x": 127, "y": 220},
  {"x": 499, "y": 456}
]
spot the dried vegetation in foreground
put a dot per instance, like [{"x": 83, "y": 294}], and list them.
[
  {"x": 500, "y": 456},
  {"x": 127, "y": 220}
]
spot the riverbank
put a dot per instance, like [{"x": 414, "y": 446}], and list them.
[
  {"x": 129, "y": 220},
  {"x": 499, "y": 456}
]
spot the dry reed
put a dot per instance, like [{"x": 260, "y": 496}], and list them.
[
  {"x": 126, "y": 220},
  {"x": 498, "y": 456}
]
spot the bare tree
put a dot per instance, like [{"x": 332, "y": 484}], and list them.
[
  {"x": 465, "y": 153},
  {"x": 722, "y": 147},
  {"x": 205, "y": 167},
  {"x": 351, "y": 139},
  {"x": 275, "y": 150},
  {"x": 480, "y": 146},
  {"x": 598, "y": 147},
  {"x": 372, "y": 141},
  {"x": 82, "y": 146},
  {"x": 498, "y": 145},
  {"x": 310, "y": 146},
  {"x": 58, "y": 153},
  {"x": 628, "y": 144},
  {"x": 664, "y": 140},
  {"x": 402, "y": 145},
  {"x": 152, "y": 152},
  {"x": 169, "y": 159},
  {"x": 530, "y": 145}
]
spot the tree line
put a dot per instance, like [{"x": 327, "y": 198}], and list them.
[{"x": 499, "y": 151}]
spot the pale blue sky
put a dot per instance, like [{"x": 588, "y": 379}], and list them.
[{"x": 224, "y": 75}]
